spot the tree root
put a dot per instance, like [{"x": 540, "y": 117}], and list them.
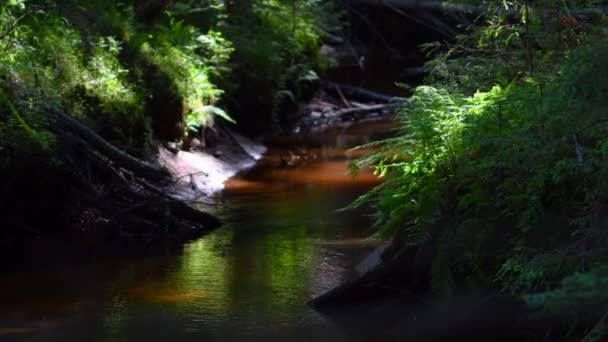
[
  {"x": 111, "y": 196},
  {"x": 94, "y": 140}
]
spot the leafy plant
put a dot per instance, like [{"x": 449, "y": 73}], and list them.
[
  {"x": 199, "y": 117},
  {"x": 512, "y": 157},
  {"x": 191, "y": 59}
]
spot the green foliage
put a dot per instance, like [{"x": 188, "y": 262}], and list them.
[
  {"x": 21, "y": 133},
  {"x": 200, "y": 117},
  {"x": 583, "y": 291},
  {"x": 52, "y": 58},
  {"x": 503, "y": 157},
  {"x": 278, "y": 44},
  {"x": 91, "y": 58},
  {"x": 279, "y": 34},
  {"x": 64, "y": 57},
  {"x": 190, "y": 59},
  {"x": 18, "y": 137},
  {"x": 528, "y": 271}
]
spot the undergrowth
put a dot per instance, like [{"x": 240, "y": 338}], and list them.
[
  {"x": 507, "y": 144},
  {"x": 95, "y": 58}
]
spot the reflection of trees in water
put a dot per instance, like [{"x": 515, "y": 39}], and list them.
[{"x": 271, "y": 267}]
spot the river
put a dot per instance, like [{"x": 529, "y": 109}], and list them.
[{"x": 283, "y": 244}]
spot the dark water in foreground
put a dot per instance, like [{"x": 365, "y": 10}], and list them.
[{"x": 249, "y": 280}]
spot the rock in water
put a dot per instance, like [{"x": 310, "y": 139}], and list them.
[{"x": 372, "y": 260}]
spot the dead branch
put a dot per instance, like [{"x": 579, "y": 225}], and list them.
[
  {"x": 362, "y": 94},
  {"x": 365, "y": 109},
  {"x": 342, "y": 96}
]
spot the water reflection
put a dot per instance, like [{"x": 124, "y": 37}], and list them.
[{"x": 248, "y": 280}]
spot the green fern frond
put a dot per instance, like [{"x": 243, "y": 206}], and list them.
[{"x": 203, "y": 116}]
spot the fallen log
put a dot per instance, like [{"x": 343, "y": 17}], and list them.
[{"x": 362, "y": 94}]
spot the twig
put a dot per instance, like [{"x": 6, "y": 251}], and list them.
[
  {"x": 597, "y": 328},
  {"x": 358, "y": 59},
  {"x": 371, "y": 27},
  {"x": 358, "y": 104},
  {"x": 528, "y": 38},
  {"x": 342, "y": 96},
  {"x": 324, "y": 104},
  {"x": 439, "y": 27},
  {"x": 15, "y": 24}
]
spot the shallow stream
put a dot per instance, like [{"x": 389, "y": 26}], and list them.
[{"x": 283, "y": 244}]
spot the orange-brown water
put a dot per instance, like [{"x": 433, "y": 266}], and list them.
[{"x": 250, "y": 280}]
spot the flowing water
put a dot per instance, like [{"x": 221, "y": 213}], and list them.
[{"x": 249, "y": 280}]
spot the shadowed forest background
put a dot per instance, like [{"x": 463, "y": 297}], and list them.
[{"x": 473, "y": 132}]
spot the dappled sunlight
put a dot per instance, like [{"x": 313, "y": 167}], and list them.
[{"x": 303, "y": 170}]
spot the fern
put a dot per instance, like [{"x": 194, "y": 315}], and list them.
[
  {"x": 515, "y": 161},
  {"x": 203, "y": 116}
]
